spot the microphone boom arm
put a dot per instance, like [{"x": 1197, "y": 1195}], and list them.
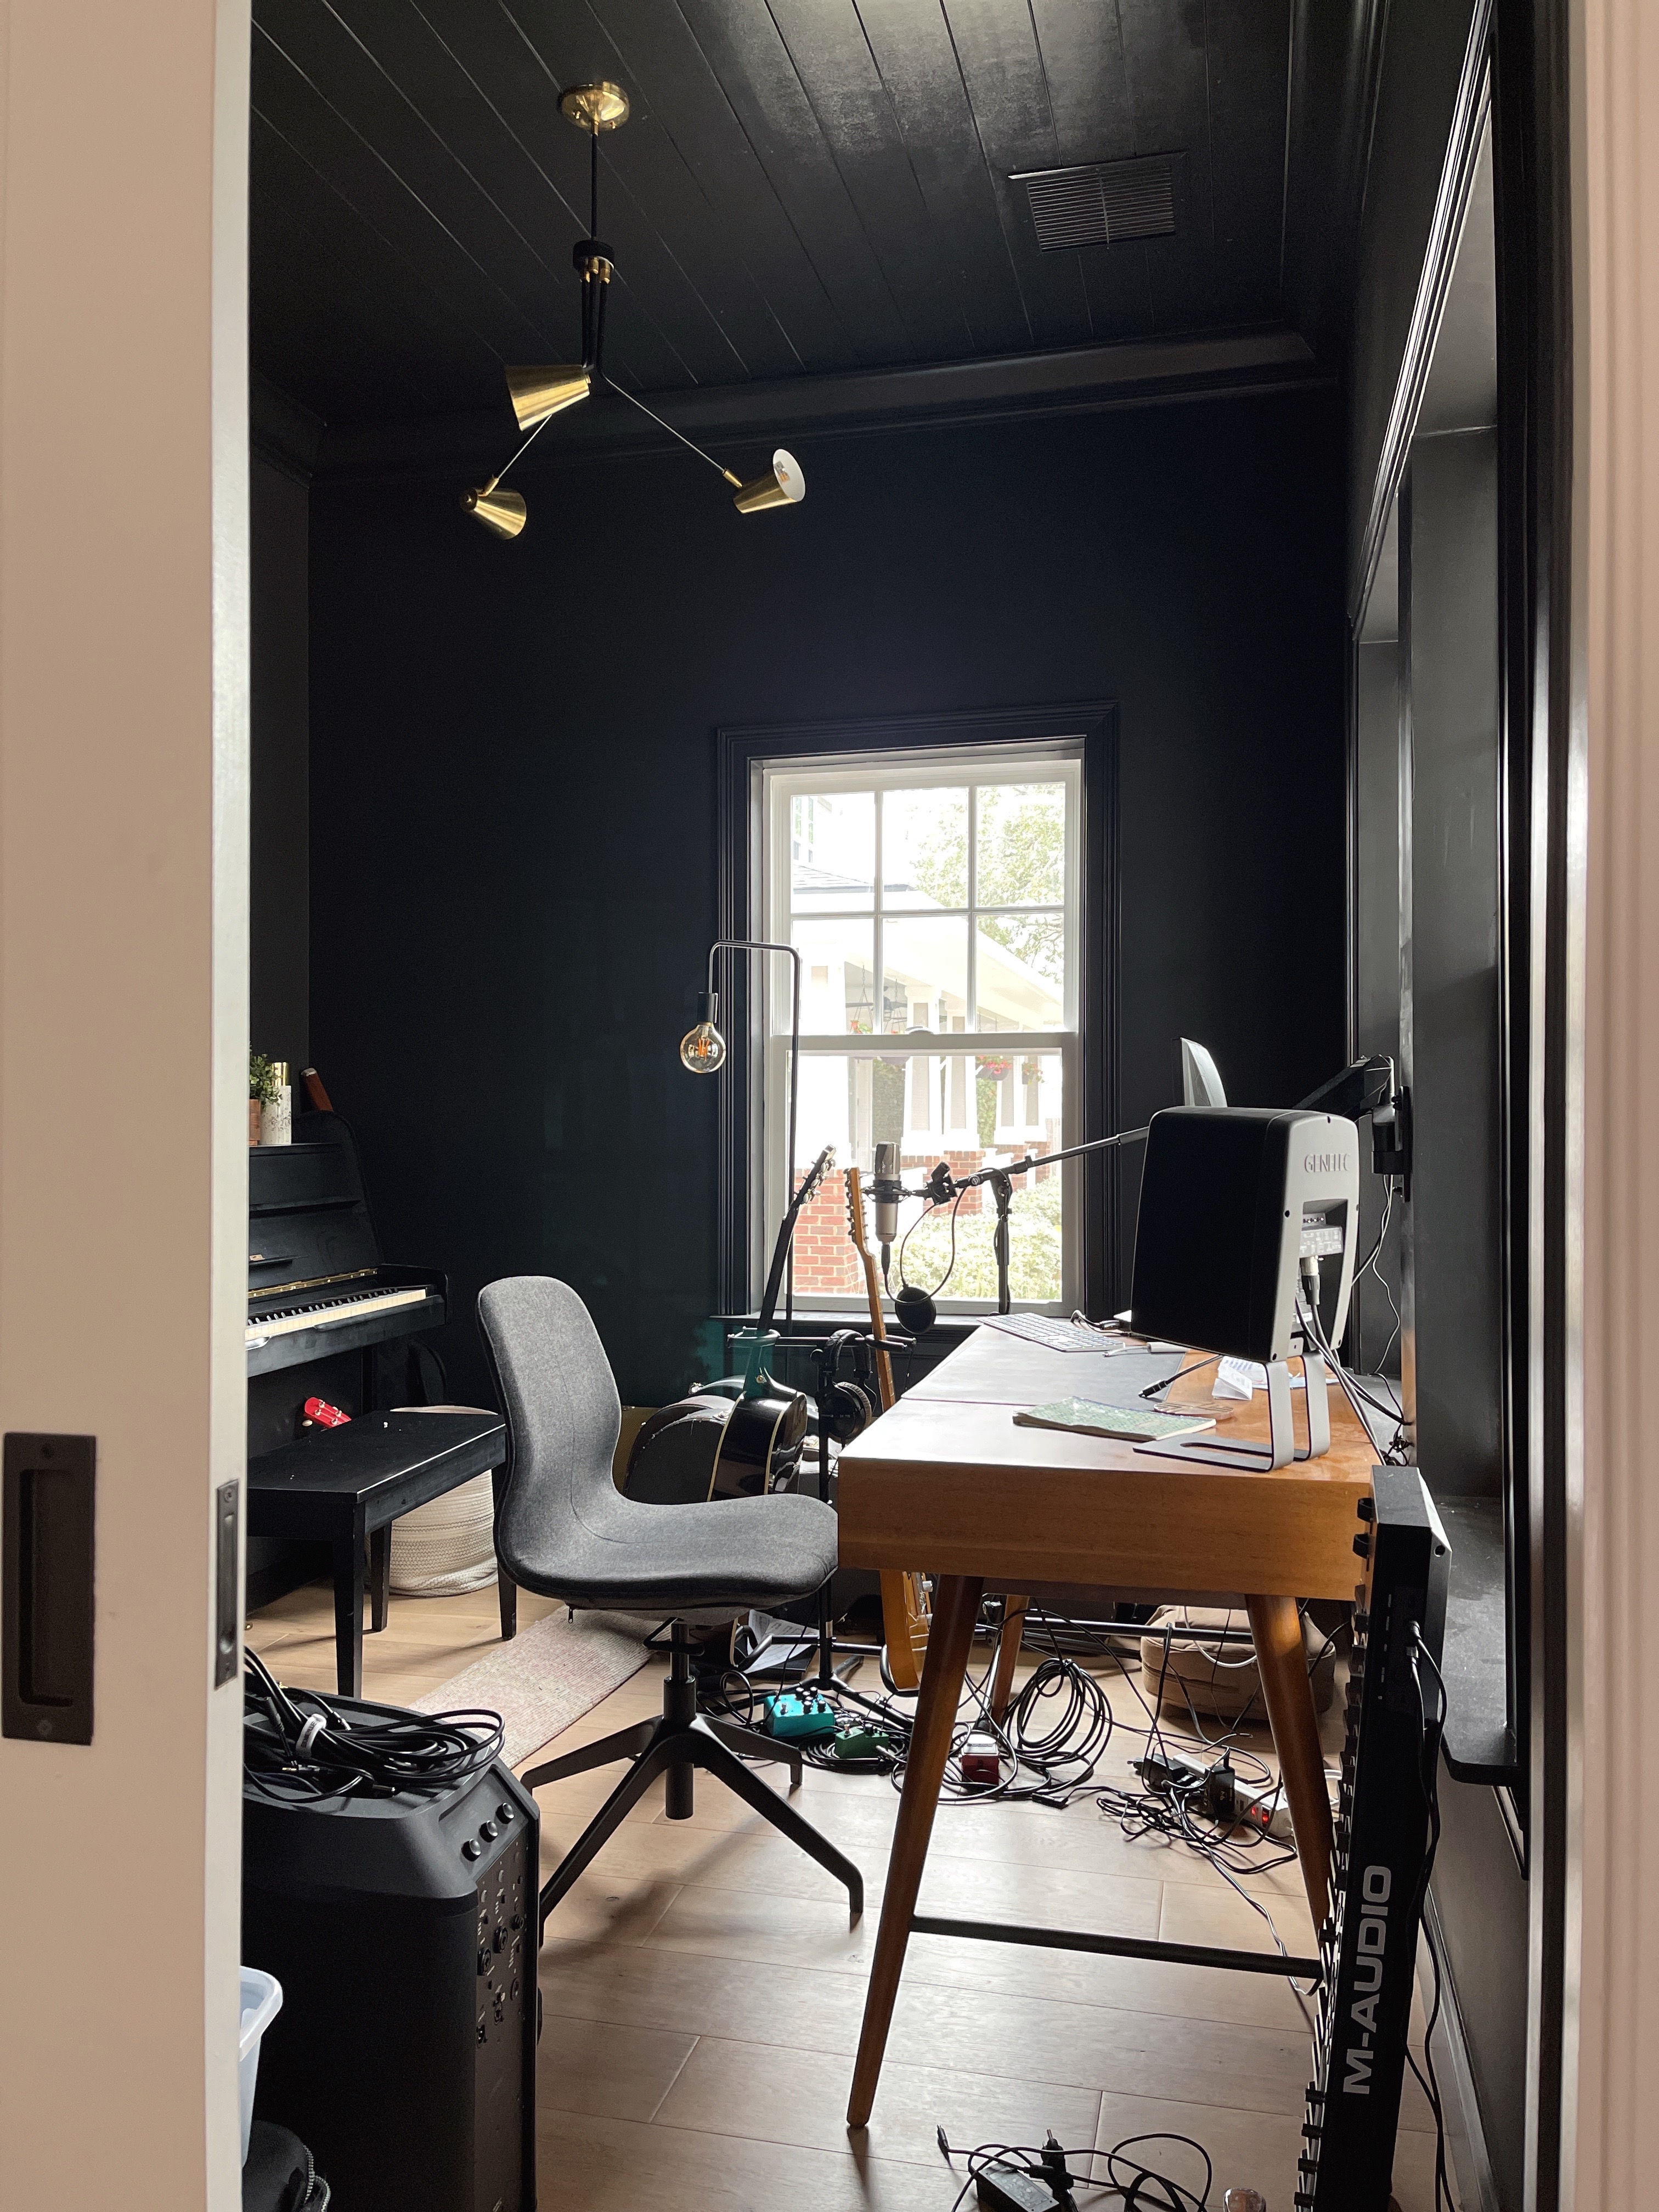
[{"x": 941, "y": 1187}]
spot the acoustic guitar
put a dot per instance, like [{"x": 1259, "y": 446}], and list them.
[{"x": 906, "y": 1605}]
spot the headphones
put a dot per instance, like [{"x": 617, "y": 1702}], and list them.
[{"x": 846, "y": 1409}]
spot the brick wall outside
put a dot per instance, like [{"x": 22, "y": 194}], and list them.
[{"x": 825, "y": 1257}]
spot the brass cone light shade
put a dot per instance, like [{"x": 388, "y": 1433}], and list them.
[
  {"x": 784, "y": 484},
  {"x": 538, "y": 393},
  {"x": 503, "y": 512}
]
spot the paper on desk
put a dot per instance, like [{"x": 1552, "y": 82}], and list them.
[{"x": 1242, "y": 1378}]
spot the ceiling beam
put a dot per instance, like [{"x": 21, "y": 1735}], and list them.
[{"x": 1075, "y": 380}]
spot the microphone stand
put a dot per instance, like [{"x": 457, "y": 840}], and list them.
[{"x": 941, "y": 1187}]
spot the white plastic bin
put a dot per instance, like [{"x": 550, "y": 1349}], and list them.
[{"x": 262, "y": 2000}]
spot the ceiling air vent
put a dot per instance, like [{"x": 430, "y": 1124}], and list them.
[{"x": 1102, "y": 203}]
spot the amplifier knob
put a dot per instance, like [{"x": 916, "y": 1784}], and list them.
[
  {"x": 504, "y": 1812},
  {"x": 489, "y": 1830},
  {"x": 471, "y": 1848}
]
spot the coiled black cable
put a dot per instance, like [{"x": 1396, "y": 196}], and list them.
[{"x": 299, "y": 1746}]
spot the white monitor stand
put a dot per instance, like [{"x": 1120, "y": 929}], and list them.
[{"x": 1281, "y": 1448}]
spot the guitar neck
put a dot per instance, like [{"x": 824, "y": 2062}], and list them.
[
  {"x": 809, "y": 1184},
  {"x": 877, "y": 1329},
  {"x": 871, "y": 1289}
]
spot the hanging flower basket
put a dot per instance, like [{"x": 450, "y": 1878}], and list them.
[{"x": 995, "y": 1071}]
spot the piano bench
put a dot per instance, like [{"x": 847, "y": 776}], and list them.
[{"x": 344, "y": 1488}]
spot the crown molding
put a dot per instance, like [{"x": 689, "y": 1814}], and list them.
[
  {"x": 281, "y": 431},
  {"x": 1077, "y": 380}
]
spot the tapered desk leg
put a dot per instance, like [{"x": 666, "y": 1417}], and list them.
[
  {"x": 1282, "y": 1662},
  {"x": 1014, "y": 1610},
  {"x": 950, "y": 1639}
]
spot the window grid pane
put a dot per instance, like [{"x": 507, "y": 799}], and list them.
[{"x": 929, "y": 964}]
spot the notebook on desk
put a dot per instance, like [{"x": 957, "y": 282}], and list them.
[{"x": 1135, "y": 1424}]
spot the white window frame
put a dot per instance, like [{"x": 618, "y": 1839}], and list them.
[{"x": 775, "y": 785}]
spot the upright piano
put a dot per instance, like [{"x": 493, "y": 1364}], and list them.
[
  {"x": 327, "y": 1315},
  {"x": 317, "y": 1287}
]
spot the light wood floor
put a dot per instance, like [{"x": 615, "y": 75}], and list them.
[{"x": 702, "y": 1986}]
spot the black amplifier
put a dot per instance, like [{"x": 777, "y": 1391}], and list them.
[{"x": 403, "y": 1931}]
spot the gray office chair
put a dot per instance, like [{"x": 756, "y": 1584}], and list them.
[{"x": 564, "y": 1528}]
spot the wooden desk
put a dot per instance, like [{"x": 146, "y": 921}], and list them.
[{"x": 946, "y": 1483}]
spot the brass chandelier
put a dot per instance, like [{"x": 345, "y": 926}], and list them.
[{"x": 540, "y": 393}]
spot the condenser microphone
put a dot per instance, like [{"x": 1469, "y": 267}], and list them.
[{"x": 884, "y": 1189}]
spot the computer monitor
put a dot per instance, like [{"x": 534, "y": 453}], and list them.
[
  {"x": 1239, "y": 1208},
  {"x": 1201, "y": 1085}
]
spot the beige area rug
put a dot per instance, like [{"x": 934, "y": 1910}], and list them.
[{"x": 550, "y": 1676}]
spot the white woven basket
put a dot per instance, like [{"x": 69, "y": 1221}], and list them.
[{"x": 449, "y": 1546}]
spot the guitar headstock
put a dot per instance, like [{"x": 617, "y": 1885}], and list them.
[
  {"x": 814, "y": 1176},
  {"x": 855, "y": 1212}
]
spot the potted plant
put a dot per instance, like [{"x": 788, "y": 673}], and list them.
[{"x": 261, "y": 1091}]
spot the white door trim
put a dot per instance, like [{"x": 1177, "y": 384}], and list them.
[
  {"x": 1610, "y": 2115},
  {"x": 123, "y": 1024}
]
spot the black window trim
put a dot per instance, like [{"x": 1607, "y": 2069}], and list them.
[{"x": 1091, "y": 723}]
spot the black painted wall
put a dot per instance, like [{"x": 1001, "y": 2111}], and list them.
[
  {"x": 512, "y": 815},
  {"x": 279, "y": 938}
]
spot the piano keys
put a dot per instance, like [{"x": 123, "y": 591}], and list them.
[
  {"x": 317, "y": 1285},
  {"x": 264, "y": 1322}
]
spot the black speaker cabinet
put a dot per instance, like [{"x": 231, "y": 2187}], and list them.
[{"x": 403, "y": 1932}]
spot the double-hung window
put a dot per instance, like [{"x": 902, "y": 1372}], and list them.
[{"x": 933, "y": 898}]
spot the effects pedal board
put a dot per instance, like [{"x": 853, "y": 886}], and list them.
[
  {"x": 1368, "y": 1944},
  {"x": 801, "y": 1716}
]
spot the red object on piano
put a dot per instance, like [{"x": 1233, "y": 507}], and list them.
[
  {"x": 321, "y": 1101},
  {"x": 322, "y": 1415}
]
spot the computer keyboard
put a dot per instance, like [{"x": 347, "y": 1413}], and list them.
[{"x": 1049, "y": 1330}]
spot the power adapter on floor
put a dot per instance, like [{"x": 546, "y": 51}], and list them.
[
  {"x": 1010, "y": 2189},
  {"x": 1164, "y": 1772},
  {"x": 1005, "y": 2188}
]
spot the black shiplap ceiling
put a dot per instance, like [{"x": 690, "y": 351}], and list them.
[{"x": 804, "y": 186}]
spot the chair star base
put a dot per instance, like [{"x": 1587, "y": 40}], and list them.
[{"x": 676, "y": 1746}]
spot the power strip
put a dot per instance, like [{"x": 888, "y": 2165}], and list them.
[{"x": 1218, "y": 1791}]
